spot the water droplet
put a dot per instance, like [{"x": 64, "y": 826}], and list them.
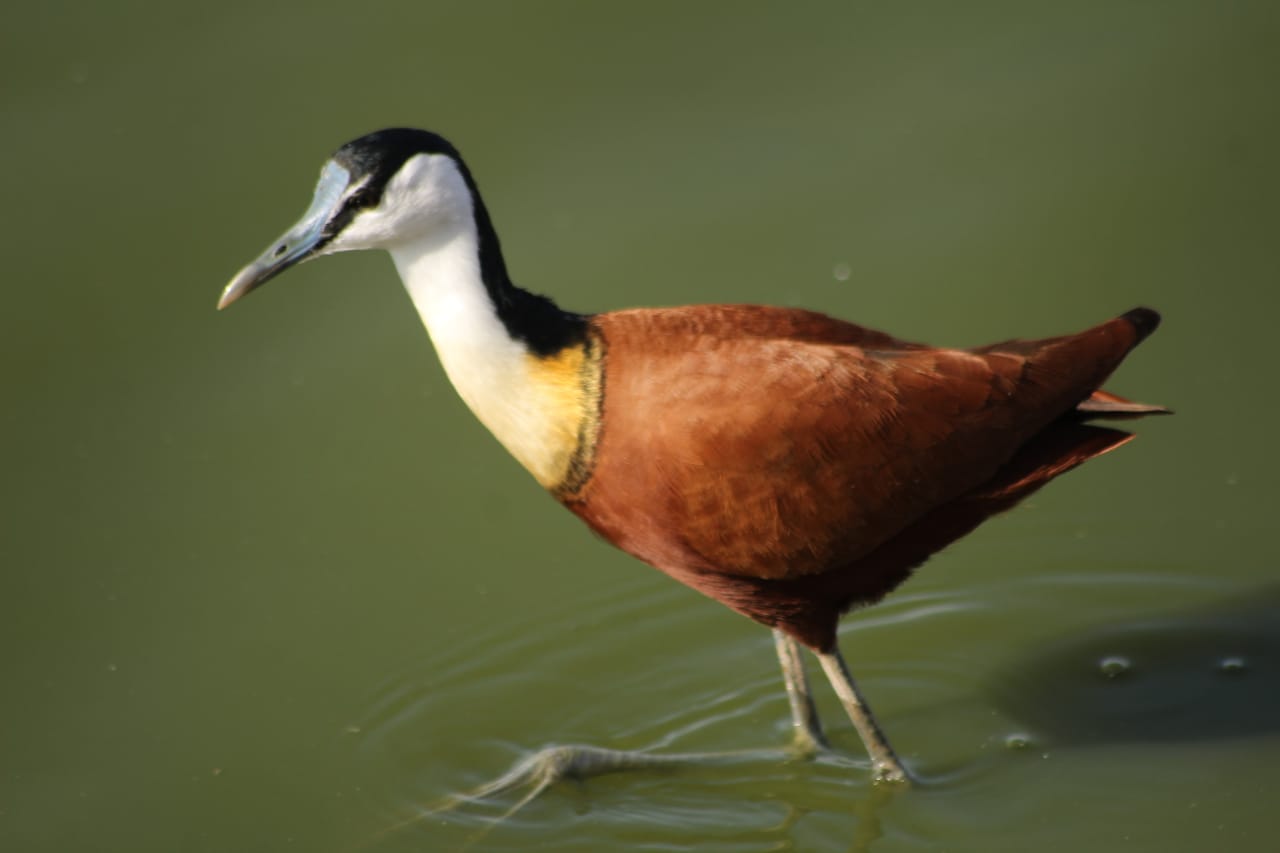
[
  {"x": 1114, "y": 666},
  {"x": 1017, "y": 741},
  {"x": 1232, "y": 665}
]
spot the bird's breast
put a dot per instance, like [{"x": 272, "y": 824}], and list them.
[
  {"x": 545, "y": 409},
  {"x": 565, "y": 426}
]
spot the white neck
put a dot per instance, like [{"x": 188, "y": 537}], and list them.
[
  {"x": 442, "y": 275},
  {"x": 491, "y": 370}
]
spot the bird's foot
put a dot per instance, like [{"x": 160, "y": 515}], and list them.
[
  {"x": 551, "y": 765},
  {"x": 536, "y": 773},
  {"x": 808, "y": 743},
  {"x": 889, "y": 771}
]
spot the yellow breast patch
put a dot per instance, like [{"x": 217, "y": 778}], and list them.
[{"x": 569, "y": 386}]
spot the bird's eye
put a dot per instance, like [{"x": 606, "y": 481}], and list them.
[{"x": 360, "y": 197}]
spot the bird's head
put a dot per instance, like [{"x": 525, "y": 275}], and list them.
[{"x": 384, "y": 189}]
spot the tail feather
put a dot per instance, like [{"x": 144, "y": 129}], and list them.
[
  {"x": 1104, "y": 404},
  {"x": 1144, "y": 321}
]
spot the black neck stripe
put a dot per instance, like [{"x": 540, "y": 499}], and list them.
[{"x": 528, "y": 317}]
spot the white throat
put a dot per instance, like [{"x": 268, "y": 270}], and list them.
[{"x": 484, "y": 363}]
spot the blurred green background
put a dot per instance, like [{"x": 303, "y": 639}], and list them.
[{"x": 266, "y": 585}]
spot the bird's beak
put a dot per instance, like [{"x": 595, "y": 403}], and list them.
[{"x": 304, "y": 240}]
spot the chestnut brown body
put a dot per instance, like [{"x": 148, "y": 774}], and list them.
[{"x": 791, "y": 465}]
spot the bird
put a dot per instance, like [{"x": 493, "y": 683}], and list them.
[{"x": 787, "y": 464}]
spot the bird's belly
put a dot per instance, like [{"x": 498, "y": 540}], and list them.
[{"x": 736, "y": 521}]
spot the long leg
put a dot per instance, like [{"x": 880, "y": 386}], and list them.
[
  {"x": 804, "y": 715},
  {"x": 884, "y": 763},
  {"x": 550, "y": 765}
]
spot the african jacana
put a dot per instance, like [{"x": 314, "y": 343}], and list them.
[{"x": 785, "y": 463}]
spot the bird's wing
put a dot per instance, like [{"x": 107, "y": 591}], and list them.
[{"x": 775, "y": 456}]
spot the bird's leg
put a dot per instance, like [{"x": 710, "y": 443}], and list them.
[
  {"x": 539, "y": 771},
  {"x": 804, "y": 715},
  {"x": 884, "y": 763}
]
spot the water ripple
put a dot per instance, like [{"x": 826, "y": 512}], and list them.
[{"x": 532, "y": 681}]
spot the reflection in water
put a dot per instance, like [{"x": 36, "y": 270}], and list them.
[
  {"x": 868, "y": 808},
  {"x": 1190, "y": 676}
]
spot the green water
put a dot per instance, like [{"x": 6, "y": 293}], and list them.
[{"x": 265, "y": 584}]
